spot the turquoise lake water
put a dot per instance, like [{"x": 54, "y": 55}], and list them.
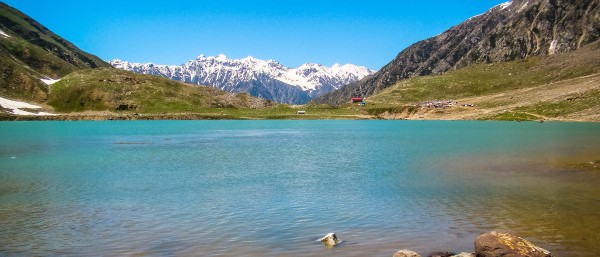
[{"x": 272, "y": 188}]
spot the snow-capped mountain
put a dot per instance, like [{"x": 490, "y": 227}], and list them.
[{"x": 267, "y": 79}]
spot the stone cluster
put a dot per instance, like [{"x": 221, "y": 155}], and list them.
[{"x": 492, "y": 244}]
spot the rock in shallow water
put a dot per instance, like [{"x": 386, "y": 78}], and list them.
[
  {"x": 406, "y": 253},
  {"x": 464, "y": 254},
  {"x": 330, "y": 240},
  {"x": 495, "y": 244},
  {"x": 441, "y": 254}
]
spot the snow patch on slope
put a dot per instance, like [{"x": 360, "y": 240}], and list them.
[
  {"x": 552, "y": 48},
  {"x": 3, "y": 34},
  {"x": 49, "y": 81},
  {"x": 15, "y": 107},
  {"x": 504, "y": 5},
  {"x": 501, "y": 7},
  {"x": 523, "y": 6}
]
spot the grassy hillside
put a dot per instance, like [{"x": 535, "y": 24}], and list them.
[
  {"x": 109, "y": 89},
  {"x": 111, "y": 93},
  {"x": 31, "y": 52},
  {"x": 562, "y": 86}
]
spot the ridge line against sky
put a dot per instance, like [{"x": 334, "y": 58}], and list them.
[{"x": 365, "y": 33}]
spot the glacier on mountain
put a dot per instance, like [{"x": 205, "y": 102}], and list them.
[{"x": 268, "y": 79}]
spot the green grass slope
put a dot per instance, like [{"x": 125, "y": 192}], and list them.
[
  {"x": 554, "y": 87},
  {"x": 109, "y": 89}
]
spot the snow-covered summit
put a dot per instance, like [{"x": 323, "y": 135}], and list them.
[
  {"x": 230, "y": 74},
  {"x": 504, "y": 5}
]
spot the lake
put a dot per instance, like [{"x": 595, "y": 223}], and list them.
[{"x": 272, "y": 188}]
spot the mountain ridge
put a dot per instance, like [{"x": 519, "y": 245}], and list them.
[
  {"x": 31, "y": 53},
  {"x": 267, "y": 79},
  {"x": 510, "y": 31}
]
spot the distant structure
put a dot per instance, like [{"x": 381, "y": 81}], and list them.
[{"x": 356, "y": 99}]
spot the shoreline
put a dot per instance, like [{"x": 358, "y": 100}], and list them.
[
  {"x": 217, "y": 116},
  {"x": 173, "y": 116}
]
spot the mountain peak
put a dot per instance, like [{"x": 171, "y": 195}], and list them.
[
  {"x": 237, "y": 75},
  {"x": 504, "y": 5},
  {"x": 221, "y": 57}
]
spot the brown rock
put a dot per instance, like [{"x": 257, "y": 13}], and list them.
[
  {"x": 496, "y": 244},
  {"x": 330, "y": 240}
]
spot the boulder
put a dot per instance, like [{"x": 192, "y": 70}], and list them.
[
  {"x": 406, "y": 253},
  {"x": 330, "y": 240},
  {"x": 495, "y": 244}
]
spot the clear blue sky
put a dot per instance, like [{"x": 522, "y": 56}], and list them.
[{"x": 368, "y": 33}]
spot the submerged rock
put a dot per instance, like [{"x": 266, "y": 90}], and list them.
[
  {"x": 495, "y": 244},
  {"x": 406, "y": 253},
  {"x": 464, "y": 254},
  {"x": 330, "y": 240},
  {"x": 441, "y": 254}
]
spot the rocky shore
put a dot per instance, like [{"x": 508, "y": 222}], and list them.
[
  {"x": 133, "y": 116},
  {"x": 492, "y": 244}
]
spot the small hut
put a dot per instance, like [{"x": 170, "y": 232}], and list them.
[{"x": 356, "y": 99}]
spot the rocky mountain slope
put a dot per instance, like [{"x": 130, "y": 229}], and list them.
[
  {"x": 510, "y": 31},
  {"x": 266, "y": 79},
  {"x": 31, "y": 56},
  {"x": 562, "y": 86}
]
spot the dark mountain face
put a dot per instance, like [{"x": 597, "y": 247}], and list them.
[
  {"x": 271, "y": 89},
  {"x": 30, "y": 52},
  {"x": 510, "y": 31}
]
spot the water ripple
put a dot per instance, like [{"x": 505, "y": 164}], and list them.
[{"x": 242, "y": 189}]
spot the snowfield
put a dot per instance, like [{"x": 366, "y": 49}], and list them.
[
  {"x": 15, "y": 107},
  {"x": 50, "y": 81}
]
